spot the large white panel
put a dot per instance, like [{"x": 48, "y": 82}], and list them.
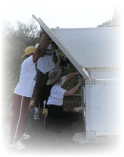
[
  {"x": 88, "y": 47},
  {"x": 92, "y": 47},
  {"x": 102, "y": 107}
]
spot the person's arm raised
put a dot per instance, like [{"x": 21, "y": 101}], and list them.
[
  {"x": 70, "y": 76},
  {"x": 40, "y": 51},
  {"x": 73, "y": 90}
]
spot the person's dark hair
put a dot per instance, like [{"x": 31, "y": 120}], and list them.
[{"x": 53, "y": 43}]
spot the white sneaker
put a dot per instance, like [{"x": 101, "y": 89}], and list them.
[
  {"x": 17, "y": 145},
  {"x": 25, "y": 137},
  {"x": 78, "y": 109},
  {"x": 36, "y": 116}
]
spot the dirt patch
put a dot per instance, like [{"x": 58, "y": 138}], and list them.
[{"x": 70, "y": 102}]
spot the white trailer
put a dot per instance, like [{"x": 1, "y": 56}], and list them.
[{"x": 98, "y": 51}]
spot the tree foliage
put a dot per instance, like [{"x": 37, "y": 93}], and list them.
[{"x": 15, "y": 40}]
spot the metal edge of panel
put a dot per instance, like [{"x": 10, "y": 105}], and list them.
[
  {"x": 103, "y": 81},
  {"x": 90, "y": 28},
  {"x": 61, "y": 46}
]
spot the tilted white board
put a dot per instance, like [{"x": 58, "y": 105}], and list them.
[
  {"x": 62, "y": 47},
  {"x": 88, "y": 47}
]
